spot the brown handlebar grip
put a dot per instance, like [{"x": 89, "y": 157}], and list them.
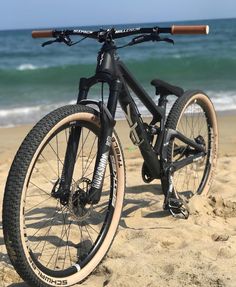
[
  {"x": 203, "y": 29},
  {"x": 42, "y": 34}
]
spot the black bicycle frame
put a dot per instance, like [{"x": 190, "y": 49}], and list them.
[{"x": 113, "y": 72}]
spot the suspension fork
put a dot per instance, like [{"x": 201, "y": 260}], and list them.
[
  {"x": 107, "y": 121},
  {"x": 107, "y": 115}
]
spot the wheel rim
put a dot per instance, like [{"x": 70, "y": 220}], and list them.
[{"x": 62, "y": 239}]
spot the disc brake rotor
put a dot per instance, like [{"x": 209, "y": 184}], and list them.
[{"x": 77, "y": 208}]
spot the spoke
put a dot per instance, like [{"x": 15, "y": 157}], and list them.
[
  {"x": 91, "y": 227},
  {"x": 59, "y": 245},
  {"x": 50, "y": 227},
  {"x": 203, "y": 126},
  {"x": 66, "y": 136},
  {"x": 182, "y": 130},
  {"x": 48, "y": 164},
  {"x": 83, "y": 142},
  {"x": 44, "y": 176},
  {"x": 58, "y": 249},
  {"x": 89, "y": 166},
  {"x": 89, "y": 235},
  {"x": 100, "y": 205},
  {"x": 89, "y": 156},
  {"x": 59, "y": 160},
  {"x": 47, "y": 233},
  {"x": 39, "y": 189},
  {"x": 81, "y": 234},
  {"x": 198, "y": 121},
  {"x": 188, "y": 124},
  {"x": 28, "y": 210},
  {"x": 58, "y": 157},
  {"x": 67, "y": 246},
  {"x": 45, "y": 242},
  {"x": 48, "y": 221},
  {"x": 192, "y": 117}
]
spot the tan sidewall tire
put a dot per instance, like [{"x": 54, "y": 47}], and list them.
[
  {"x": 117, "y": 203},
  {"x": 214, "y": 151}
]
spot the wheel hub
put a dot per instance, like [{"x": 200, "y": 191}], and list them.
[
  {"x": 77, "y": 204},
  {"x": 200, "y": 140}
]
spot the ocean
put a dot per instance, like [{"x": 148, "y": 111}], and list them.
[{"x": 36, "y": 80}]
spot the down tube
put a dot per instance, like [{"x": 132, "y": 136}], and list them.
[{"x": 138, "y": 134}]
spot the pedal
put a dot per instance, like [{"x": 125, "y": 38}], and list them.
[{"x": 178, "y": 208}]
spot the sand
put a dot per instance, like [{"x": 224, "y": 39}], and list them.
[{"x": 152, "y": 249}]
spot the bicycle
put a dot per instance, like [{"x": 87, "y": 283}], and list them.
[{"x": 64, "y": 193}]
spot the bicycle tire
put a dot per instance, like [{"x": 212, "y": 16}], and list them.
[
  {"x": 193, "y": 114},
  {"x": 19, "y": 223}
]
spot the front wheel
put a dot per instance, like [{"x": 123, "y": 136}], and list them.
[
  {"x": 194, "y": 116},
  {"x": 55, "y": 242}
]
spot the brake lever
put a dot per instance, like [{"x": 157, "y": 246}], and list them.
[
  {"x": 157, "y": 38},
  {"x": 151, "y": 37},
  {"x": 60, "y": 39},
  {"x": 50, "y": 42},
  {"x": 168, "y": 40},
  {"x": 140, "y": 39}
]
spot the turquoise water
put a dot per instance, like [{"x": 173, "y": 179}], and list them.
[{"x": 35, "y": 80}]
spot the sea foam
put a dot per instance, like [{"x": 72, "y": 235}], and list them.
[{"x": 25, "y": 67}]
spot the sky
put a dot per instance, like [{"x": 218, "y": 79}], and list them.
[{"x": 17, "y": 14}]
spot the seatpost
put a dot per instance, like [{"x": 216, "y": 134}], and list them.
[{"x": 162, "y": 102}]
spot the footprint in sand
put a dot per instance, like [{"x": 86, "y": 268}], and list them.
[
  {"x": 220, "y": 237},
  {"x": 169, "y": 269},
  {"x": 226, "y": 252},
  {"x": 222, "y": 208}
]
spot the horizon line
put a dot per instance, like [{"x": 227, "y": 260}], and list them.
[{"x": 128, "y": 23}]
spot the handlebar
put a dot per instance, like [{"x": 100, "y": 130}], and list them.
[
  {"x": 105, "y": 36},
  {"x": 123, "y": 33}
]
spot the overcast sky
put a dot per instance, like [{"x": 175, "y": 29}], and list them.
[{"x": 16, "y": 14}]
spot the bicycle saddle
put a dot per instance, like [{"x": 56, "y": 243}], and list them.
[{"x": 165, "y": 89}]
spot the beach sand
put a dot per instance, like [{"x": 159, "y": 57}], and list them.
[{"x": 152, "y": 249}]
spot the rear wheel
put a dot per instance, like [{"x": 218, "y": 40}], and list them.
[
  {"x": 194, "y": 116},
  {"x": 52, "y": 242}
]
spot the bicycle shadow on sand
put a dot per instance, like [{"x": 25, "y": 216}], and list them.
[
  {"x": 149, "y": 197},
  {"x": 136, "y": 198},
  {"x": 17, "y": 285}
]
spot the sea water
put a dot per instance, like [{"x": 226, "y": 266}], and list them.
[{"x": 36, "y": 80}]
